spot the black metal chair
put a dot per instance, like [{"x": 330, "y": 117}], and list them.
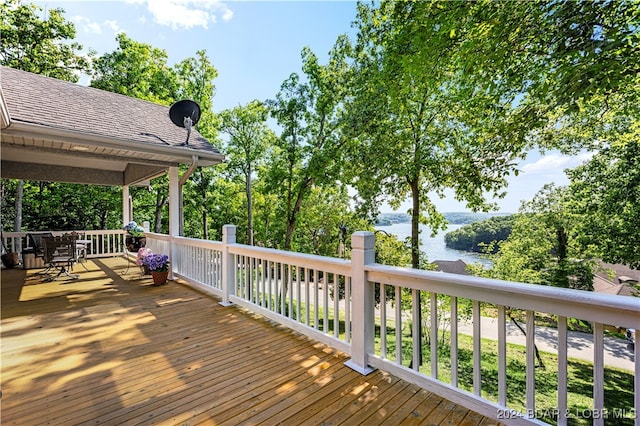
[
  {"x": 36, "y": 247},
  {"x": 60, "y": 254}
]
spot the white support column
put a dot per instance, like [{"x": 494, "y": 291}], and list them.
[
  {"x": 362, "y": 302},
  {"x": 228, "y": 286},
  {"x": 126, "y": 205},
  {"x": 174, "y": 202},
  {"x": 174, "y": 216}
]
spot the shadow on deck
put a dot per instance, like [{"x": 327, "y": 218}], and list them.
[{"x": 110, "y": 348}]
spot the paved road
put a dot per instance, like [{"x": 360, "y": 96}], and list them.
[{"x": 616, "y": 351}]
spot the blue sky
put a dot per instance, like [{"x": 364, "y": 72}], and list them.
[{"x": 255, "y": 46}]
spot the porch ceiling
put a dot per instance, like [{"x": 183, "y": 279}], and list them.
[{"x": 53, "y": 130}]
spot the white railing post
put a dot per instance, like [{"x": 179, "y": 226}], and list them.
[
  {"x": 362, "y": 302},
  {"x": 228, "y": 264}
]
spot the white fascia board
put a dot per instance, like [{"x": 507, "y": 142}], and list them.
[{"x": 181, "y": 154}]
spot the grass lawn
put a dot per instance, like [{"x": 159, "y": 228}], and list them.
[{"x": 618, "y": 392}]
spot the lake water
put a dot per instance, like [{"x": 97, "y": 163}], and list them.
[{"x": 434, "y": 247}]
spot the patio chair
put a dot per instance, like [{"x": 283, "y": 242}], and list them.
[
  {"x": 60, "y": 253},
  {"x": 81, "y": 248},
  {"x": 36, "y": 248}
]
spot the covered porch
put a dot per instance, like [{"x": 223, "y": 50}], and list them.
[{"x": 110, "y": 348}]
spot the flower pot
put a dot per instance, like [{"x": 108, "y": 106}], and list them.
[
  {"x": 135, "y": 243},
  {"x": 159, "y": 278}
]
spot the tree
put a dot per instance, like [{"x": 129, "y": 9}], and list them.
[
  {"x": 195, "y": 78},
  {"x": 417, "y": 124},
  {"x": 138, "y": 70},
  {"x": 477, "y": 236},
  {"x": 58, "y": 206},
  {"x": 37, "y": 45},
  {"x": 249, "y": 139},
  {"x": 542, "y": 247},
  {"x": 307, "y": 153},
  {"x": 605, "y": 193},
  {"x": 461, "y": 89}
]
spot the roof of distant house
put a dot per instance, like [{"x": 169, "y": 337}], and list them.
[
  {"x": 616, "y": 279},
  {"x": 452, "y": 266}
]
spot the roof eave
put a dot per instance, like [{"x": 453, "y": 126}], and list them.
[
  {"x": 182, "y": 155},
  {"x": 5, "y": 118}
]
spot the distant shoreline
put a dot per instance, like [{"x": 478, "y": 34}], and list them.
[{"x": 454, "y": 218}]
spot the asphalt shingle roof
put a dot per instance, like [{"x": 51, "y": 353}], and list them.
[{"x": 46, "y": 101}]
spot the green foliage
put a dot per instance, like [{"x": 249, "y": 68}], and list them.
[
  {"x": 307, "y": 153},
  {"x": 138, "y": 70},
  {"x": 415, "y": 99},
  {"x": 249, "y": 139},
  {"x": 391, "y": 251},
  {"x": 605, "y": 193},
  {"x": 195, "y": 78},
  {"x": 478, "y": 236},
  {"x": 542, "y": 247},
  {"x": 430, "y": 96},
  {"x": 63, "y": 207},
  {"x": 38, "y": 45}
]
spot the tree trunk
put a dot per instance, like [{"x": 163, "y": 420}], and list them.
[
  {"x": 205, "y": 226},
  {"x": 292, "y": 216},
  {"x": 563, "y": 243},
  {"x": 415, "y": 257},
  {"x": 535, "y": 348},
  {"x": 415, "y": 224},
  {"x": 17, "y": 224},
  {"x": 161, "y": 201}
]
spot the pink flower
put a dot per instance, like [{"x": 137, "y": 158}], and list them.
[{"x": 142, "y": 253}]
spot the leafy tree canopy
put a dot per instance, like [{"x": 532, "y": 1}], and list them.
[
  {"x": 138, "y": 70},
  {"x": 605, "y": 193},
  {"x": 41, "y": 46},
  {"x": 478, "y": 236}
]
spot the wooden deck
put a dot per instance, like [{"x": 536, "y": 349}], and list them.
[{"x": 112, "y": 349}]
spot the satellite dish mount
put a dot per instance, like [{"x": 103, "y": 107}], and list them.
[{"x": 185, "y": 113}]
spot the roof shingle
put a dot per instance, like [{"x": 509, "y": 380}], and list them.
[{"x": 46, "y": 101}]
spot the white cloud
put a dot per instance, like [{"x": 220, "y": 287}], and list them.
[
  {"x": 556, "y": 163},
  {"x": 87, "y": 25},
  {"x": 186, "y": 14},
  {"x": 113, "y": 24},
  {"x": 93, "y": 27}
]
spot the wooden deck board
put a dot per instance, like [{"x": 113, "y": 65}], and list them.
[{"x": 110, "y": 349}]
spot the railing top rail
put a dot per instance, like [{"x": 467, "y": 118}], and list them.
[
  {"x": 312, "y": 261},
  {"x": 194, "y": 242},
  {"x": 13, "y": 234},
  {"x": 623, "y": 311}
]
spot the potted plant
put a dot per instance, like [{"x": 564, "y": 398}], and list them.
[
  {"x": 135, "y": 237},
  {"x": 142, "y": 253},
  {"x": 158, "y": 264}
]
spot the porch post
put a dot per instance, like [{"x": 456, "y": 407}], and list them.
[
  {"x": 362, "y": 301},
  {"x": 174, "y": 216},
  {"x": 126, "y": 205},
  {"x": 228, "y": 260}
]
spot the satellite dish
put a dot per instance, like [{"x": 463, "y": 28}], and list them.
[{"x": 185, "y": 113}]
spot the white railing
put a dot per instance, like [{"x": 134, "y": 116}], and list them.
[
  {"x": 102, "y": 243},
  {"x": 378, "y": 306}
]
